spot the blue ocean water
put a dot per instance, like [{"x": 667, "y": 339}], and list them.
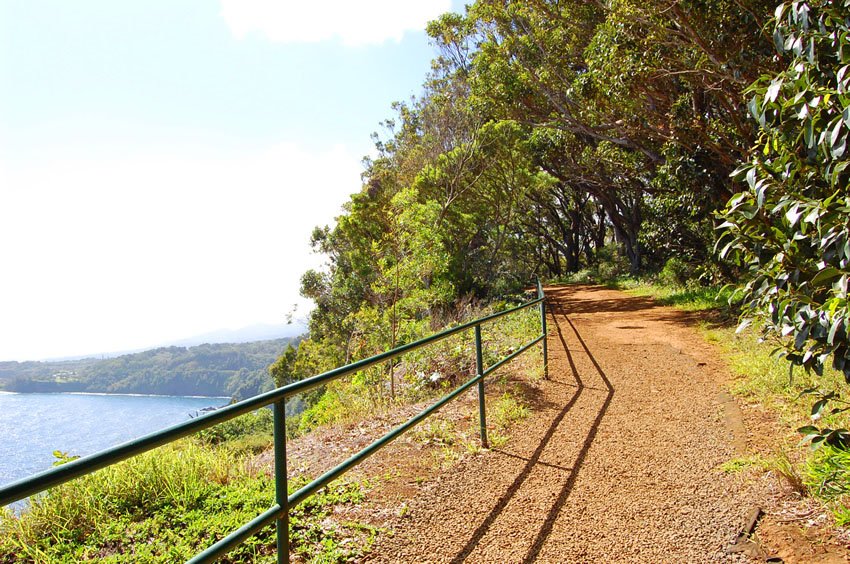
[{"x": 32, "y": 426}]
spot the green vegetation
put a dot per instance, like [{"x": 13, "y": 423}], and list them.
[
  {"x": 827, "y": 474},
  {"x": 592, "y": 140},
  {"x": 168, "y": 504},
  {"x": 422, "y": 374},
  {"x": 506, "y": 411},
  {"x": 549, "y": 137},
  {"x": 585, "y": 140},
  {"x": 595, "y": 140},
  {"x": 775, "y": 384},
  {"x": 237, "y": 370},
  {"x": 692, "y": 297},
  {"x": 741, "y": 463},
  {"x": 791, "y": 227}
]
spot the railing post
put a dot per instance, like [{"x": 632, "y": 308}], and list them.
[
  {"x": 545, "y": 347},
  {"x": 280, "y": 482},
  {"x": 479, "y": 369},
  {"x": 542, "y": 296}
]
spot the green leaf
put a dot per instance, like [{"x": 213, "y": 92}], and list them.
[
  {"x": 793, "y": 214},
  {"x": 801, "y": 337},
  {"x": 753, "y": 107},
  {"x": 837, "y": 170},
  {"x": 838, "y": 142},
  {"x": 833, "y": 330},
  {"x": 812, "y": 216},
  {"x": 725, "y": 251},
  {"x": 751, "y": 177},
  {"x": 808, "y": 132},
  {"x": 743, "y": 325},
  {"x": 778, "y": 40},
  {"x": 761, "y": 189},
  {"x": 825, "y": 275},
  {"x": 773, "y": 90}
]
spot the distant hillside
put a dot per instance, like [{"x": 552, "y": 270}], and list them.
[{"x": 238, "y": 370}]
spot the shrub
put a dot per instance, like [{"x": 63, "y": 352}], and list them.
[{"x": 260, "y": 422}]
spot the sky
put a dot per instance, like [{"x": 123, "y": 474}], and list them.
[{"x": 163, "y": 163}]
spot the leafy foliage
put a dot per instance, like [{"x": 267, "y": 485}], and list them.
[
  {"x": 791, "y": 227},
  {"x": 827, "y": 473},
  {"x": 168, "y": 505},
  {"x": 547, "y": 135},
  {"x": 257, "y": 423}
]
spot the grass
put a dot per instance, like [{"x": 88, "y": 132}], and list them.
[
  {"x": 688, "y": 298},
  {"x": 769, "y": 381},
  {"x": 169, "y": 504},
  {"x": 504, "y": 413},
  {"x": 436, "y": 431},
  {"x": 426, "y": 373},
  {"x": 433, "y": 371},
  {"x": 827, "y": 475},
  {"x": 160, "y": 506},
  {"x": 742, "y": 463}
]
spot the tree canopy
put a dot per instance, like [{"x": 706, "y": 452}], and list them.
[{"x": 550, "y": 135}]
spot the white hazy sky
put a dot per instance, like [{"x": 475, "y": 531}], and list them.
[{"x": 162, "y": 164}]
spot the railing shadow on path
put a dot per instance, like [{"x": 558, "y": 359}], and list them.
[
  {"x": 549, "y": 523},
  {"x": 557, "y": 308}
]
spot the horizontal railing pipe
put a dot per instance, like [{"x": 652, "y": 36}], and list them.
[
  {"x": 81, "y": 466},
  {"x": 85, "y": 465},
  {"x": 329, "y": 476},
  {"x": 512, "y": 356},
  {"x": 234, "y": 539},
  {"x": 314, "y": 381}
]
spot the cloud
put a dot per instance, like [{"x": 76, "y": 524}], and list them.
[
  {"x": 355, "y": 23},
  {"x": 123, "y": 253}
]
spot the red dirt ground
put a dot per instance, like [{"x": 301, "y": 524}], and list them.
[{"x": 620, "y": 461}]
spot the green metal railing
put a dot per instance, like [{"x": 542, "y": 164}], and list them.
[{"x": 279, "y": 513}]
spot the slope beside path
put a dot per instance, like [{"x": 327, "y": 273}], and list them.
[{"x": 619, "y": 464}]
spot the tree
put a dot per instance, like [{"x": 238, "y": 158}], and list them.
[
  {"x": 791, "y": 227},
  {"x": 282, "y": 370},
  {"x": 633, "y": 106}
]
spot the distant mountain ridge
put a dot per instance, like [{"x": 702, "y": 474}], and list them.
[
  {"x": 237, "y": 370},
  {"x": 251, "y": 333}
]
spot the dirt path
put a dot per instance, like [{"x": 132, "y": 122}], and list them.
[{"x": 620, "y": 464}]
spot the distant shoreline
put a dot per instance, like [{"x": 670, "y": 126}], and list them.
[{"x": 236, "y": 370}]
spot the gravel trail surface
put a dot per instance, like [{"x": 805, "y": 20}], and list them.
[{"x": 619, "y": 465}]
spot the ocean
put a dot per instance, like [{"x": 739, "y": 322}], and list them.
[{"x": 33, "y": 426}]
